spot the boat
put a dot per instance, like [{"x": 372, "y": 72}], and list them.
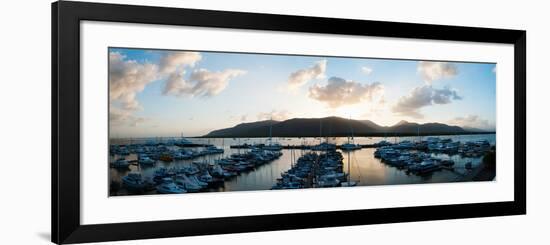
[
  {"x": 169, "y": 187},
  {"x": 350, "y": 147},
  {"x": 181, "y": 155},
  {"x": 182, "y": 142},
  {"x": 213, "y": 150},
  {"x": 404, "y": 145},
  {"x": 133, "y": 182},
  {"x": 217, "y": 171},
  {"x": 424, "y": 167},
  {"x": 121, "y": 163},
  {"x": 184, "y": 182},
  {"x": 324, "y": 146},
  {"x": 145, "y": 160},
  {"x": 272, "y": 146},
  {"x": 166, "y": 158},
  {"x": 205, "y": 177},
  {"x": 348, "y": 184},
  {"x": 195, "y": 179},
  {"x": 329, "y": 180}
]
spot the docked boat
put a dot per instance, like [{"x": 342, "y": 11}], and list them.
[
  {"x": 348, "y": 184},
  {"x": 350, "y": 147},
  {"x": 169, "y": 187},
  {"x": 273, "y": 147},
  {"x": 205, "y": 177},
  {"x": 329, "y": 180},
  {"x": 185, "y": 182},
  {"x": 121, "y": 163},
  {"x": 133, "y": 182},
  {"x": 145, "y": 160},
  {"x": 424, "y": 167},
  {"x": 324, "y": 147},
  {"x": 166, "y": 158},
  {"x": 217, "y": 171},
  {"x": 213, "y": 150}
]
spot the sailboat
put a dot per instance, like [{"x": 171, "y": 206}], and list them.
[
  {"x": 349, "y": 146},
  {"x": 271, "y": 146}
]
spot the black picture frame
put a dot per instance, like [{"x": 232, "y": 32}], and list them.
[{"x": 65, "y": 140}]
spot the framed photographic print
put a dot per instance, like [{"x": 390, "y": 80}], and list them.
[{"x": 177, "y": 122}]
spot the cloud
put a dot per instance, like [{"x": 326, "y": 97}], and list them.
[
  {"x": 301, "y": 77},
  {"x": 339, "y": 92},
  {"x": 423, "y": 96},
  {"x": 172, "y": 61},
  {"x": 472, "y": 121},
  {"x": 243, "y": 117},
  {"x": 201, "y": 82},
  {"x": 367, "y": 70},
  {"x": 126, "y": 79},
  {"x": 432, "y": 71},
  {"x": 122, "y": 117},
  {"x": 274, "y": 115}
]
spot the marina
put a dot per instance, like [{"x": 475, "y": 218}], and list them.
[{"x": 190, "y": 165}]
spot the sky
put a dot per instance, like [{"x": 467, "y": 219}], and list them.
[{"x": 162, "y": 93}]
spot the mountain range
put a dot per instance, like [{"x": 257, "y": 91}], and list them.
[{"x": 336, "y": 127}]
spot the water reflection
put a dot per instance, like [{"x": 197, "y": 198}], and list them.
[{"x": 363, "y": 167}]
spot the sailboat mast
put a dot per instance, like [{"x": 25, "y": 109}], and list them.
[
  {"x": 320, "y": 131},
  {"x": 270, "y": 130},
  {"x": 418, "y": 132}
]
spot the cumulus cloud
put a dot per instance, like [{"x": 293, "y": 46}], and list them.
[
  {"x": 431, "y": 71},
  {"x": 423, "y": 96},
  {"x": 367, "y": 70},
  {"x": 172, "y": 61},
  {"x": 339, "y": 92},
  {"x": 472, "y": 121},
  {"x": 122, "y": 117},
  {"x": 274, "y": 115},
  {"x": 301, "y": 77},
  {"x": 126, "y": 79},
  {"x": 201, "y": 82}
]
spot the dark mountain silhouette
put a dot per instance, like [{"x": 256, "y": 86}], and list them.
[{"x": 334, "y": 126}]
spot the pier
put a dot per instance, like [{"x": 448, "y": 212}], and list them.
[{"x": 296, "y": 147}]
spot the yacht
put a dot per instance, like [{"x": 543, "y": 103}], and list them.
[
  {"x": 133, "y": 182},
  {"x": 273, "y": 147},
  {"x": 199, "y": 182},
  {"x": 121, "y": 163},
  {"x": 184, "y": 182},
  {"x": 350, "y": 147},
  {"x": 329, "y": 180},
  {"x": 348, "y": 184},
  {"x": 169, "y": 187},
  {"x": 426, "y": 166},
  {"x": 205, "y": 177},
  {"x": 217, "y": 171},
  {"x": 213, "y": 150},
  {"x": 145, "y": 160}
]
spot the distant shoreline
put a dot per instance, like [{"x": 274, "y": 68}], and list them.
[
  {"x": 343, "y": 135},
  {"x": 331, "y": 136}
]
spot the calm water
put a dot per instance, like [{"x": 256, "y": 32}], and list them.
[{"x": 363, "y": 166}]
